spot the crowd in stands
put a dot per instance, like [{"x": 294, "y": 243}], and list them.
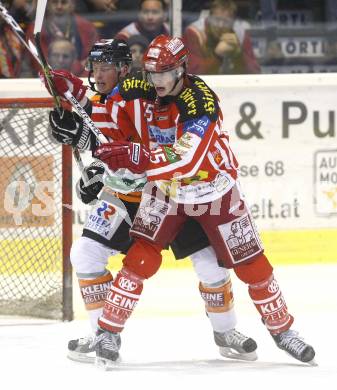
[{"x": 222, "y": 36}]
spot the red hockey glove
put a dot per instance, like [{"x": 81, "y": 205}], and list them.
[
  {"x": 64, "y": 81},
  {"x": 130, "y": 155}
]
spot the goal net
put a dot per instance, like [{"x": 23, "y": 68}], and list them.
[{"x": 35, "y": 213}]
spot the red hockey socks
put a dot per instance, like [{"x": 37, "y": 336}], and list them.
[
  {"x": 269, "y": 301},
  {"x": 121, "y": 300}
]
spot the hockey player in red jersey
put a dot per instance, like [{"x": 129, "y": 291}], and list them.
[
  {"x": 108, "y": 60},
  {"x": 192, "y": 172}
]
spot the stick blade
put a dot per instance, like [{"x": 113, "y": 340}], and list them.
[{"x": 40, "y": 11}]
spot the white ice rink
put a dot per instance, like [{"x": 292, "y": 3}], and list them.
[{"x": 168, "y": 343}]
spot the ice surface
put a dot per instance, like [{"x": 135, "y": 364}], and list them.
[{"x": 168, "y": 343}]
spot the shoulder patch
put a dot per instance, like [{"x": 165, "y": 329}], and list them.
[
  {"x": 135, "y": 87},
  {"x": 196, "y": 101},
  {"x": 197, "y": 126}
]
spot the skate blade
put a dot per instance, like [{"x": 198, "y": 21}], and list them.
[
  {"x": 81, "y": 357},
  {"x": 106, "y": 364},
  {"x": 231, "y": 354},
  {"x": 312, "y": 363}
]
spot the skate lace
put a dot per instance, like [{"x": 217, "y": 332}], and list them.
[
  {"x": 108, "y": 341},
  {"x": 291, "y": 342},
  {"x": 234, "y": 337}
]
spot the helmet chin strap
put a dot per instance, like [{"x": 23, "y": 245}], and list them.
[
  {"x": 92, "y": 84},
  {"x": 90, "y": 74},
  {"x": 178, "y": 78}
]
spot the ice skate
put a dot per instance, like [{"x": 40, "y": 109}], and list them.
[
  {"x": 234, "y": 345},
  {"x": 107, "y": 349},
  {"x": 82, "y": 350},
  {"x": 294, "y": 345}
]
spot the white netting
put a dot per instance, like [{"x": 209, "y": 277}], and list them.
[{"x": 30, "y": 214}]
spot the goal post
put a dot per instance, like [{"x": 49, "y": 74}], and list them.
[{"x": 35, "y": 211}]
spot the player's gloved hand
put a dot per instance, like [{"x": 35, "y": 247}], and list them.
[
  {"x": 130, "y": 155},
  {"x": 68, "y": 128},
  {"x": 88, "y": 192},
  {"x": 64, "y": 81}
]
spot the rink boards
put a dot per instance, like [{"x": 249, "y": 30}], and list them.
[
  {"x": 282, "y": 247},
  {"x": 283, "y": 132}
]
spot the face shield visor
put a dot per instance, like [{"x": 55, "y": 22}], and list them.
[
  {"x": 164, "y": 78},
  {"x": 89, "y": 66},
  {"x": 108, "y": 70}
]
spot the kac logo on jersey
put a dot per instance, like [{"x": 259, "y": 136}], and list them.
[
  {"x": 273, "y": 287},
  {"x": 127, "y": 284},
  {"x": 198, "y": 126}
]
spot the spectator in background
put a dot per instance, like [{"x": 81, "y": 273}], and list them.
[
  {"x": 150, "y": 22},
  {"x": 137, "y": 44},
  {"x": 219, "y": 43},
  {"x": 62, "y": 55},
  {"x": 192, "y": 9},
  {"x": 85, "y": 6},
  {"x": 273, "y": 54},
  {"x": 62, "y": 22},
  {"x": 13, "y": 58},
  {"x": 10, "y": 51},
  {"x": 103, "y": 14},
  {"x": 23, "y": 11}
]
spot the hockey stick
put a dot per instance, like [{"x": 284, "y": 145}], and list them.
[
  {"x": 40, "y": 11},
  {"x": 18, "y": 31},
  {"x": 33, "y": 50},
  {"x": 29, "y": 45}
]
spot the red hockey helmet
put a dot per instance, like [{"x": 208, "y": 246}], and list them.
[{"x": 165, "y": 53}]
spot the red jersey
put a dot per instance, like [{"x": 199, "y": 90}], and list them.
[
  {"x": 109, "y": 127},
  {"x": 191, "y": 159}
]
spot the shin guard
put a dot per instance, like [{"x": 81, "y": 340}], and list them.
[
  {"x": 121, "y": 300},
  {"x": 219, "y": 304},
  {"x": 217, "y": 299},
  {"x": 94, "y": 291},
  {"x": 269, "y": 301}
]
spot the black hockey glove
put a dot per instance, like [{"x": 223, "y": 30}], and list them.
[
  {"x": 68, "y": 128},
  {"x": 88, "y": 192}
]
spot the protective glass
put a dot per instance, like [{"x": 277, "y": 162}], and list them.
[{"x": 218, "y": 22}]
